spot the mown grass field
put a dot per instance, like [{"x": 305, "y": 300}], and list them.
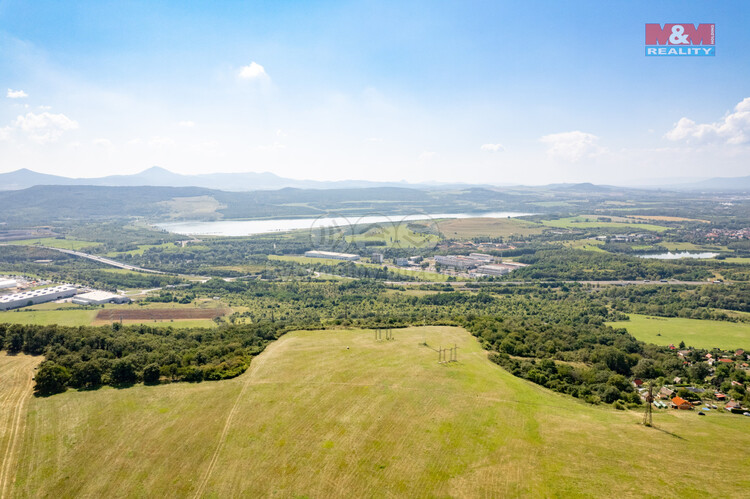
[
  {"x": 468, "y": 228},
  {"x": 337, "y": 414},
  {"x": 594, "y": 222},
  {"x": 695, "y": 333}
]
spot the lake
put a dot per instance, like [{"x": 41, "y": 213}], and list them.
[
  {"x": 675, "y": 256},
  {"x": 236, "y": 228}
]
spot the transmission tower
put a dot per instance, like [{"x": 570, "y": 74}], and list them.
[{"x": 647, "y": 420}]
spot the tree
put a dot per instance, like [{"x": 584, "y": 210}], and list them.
[
  {"x": 647, "y": 369},
  {"x": 50, "y": 379},
  {"x": 123, "y": 373},
  {"x": 151, "y": 374},
  {"x": 86, "y": 375}
]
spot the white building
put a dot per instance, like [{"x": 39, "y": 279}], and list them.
[
  {"x": 331, "y": 255},
  {"x": 99, "y": 298},
  {"x": 37, "y": 296},
  {"x": 8, "y": 283}
]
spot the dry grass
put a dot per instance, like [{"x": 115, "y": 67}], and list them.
[
  {"x": 467, "y": 228},
  {"x": 16, "y": 372},
  {"x": 337, "y": 414}
]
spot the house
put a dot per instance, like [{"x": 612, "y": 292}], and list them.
[
  {"x": 681, "y": 403},
  {"x": 739, "y": 352},
  {"x": 683, "y": 353},
  {"x": 677, "y": 379},
  {"x": 665, "y": 393},
  {"x": 728, "y": 361},
  {"x": 637, "y": 382},
  {"x": 720, "y": 396}
]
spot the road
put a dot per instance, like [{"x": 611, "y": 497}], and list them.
[{"x": 106, "y": 261}]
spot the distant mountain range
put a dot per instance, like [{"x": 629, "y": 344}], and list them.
[
  {"x": 160, "y": 177},
  {"x": 250, "y": 181}
]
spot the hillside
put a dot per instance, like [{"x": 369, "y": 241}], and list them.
[{"x": 338, "y": 414}]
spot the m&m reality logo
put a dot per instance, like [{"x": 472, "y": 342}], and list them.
[{"x": 680, "y": 40}]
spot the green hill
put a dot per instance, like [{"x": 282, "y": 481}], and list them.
[{"x": 338, "y": 414}]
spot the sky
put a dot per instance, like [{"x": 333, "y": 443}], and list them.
[{"x": 531, "y": 92}]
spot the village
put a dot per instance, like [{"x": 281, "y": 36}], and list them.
[{"x": 725, "y": 377}]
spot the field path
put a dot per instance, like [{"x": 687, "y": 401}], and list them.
[
  {"x": 16, "y": 381},
  {"x": 273, "y": 350}
]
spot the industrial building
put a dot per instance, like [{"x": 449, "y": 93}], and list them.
[
  {"x": 498, "y": 269},
  {"x": 37, "y": 296},
  {"x": 8, "y": 283},
  {"x": 331, "y": 255},
  {"x": 377, "y": 258},
  {"x": 482, "y": 257},
  {"x": 99, "y": 298}
]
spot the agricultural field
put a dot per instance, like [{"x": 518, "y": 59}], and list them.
[
  {"x": 468, "y": 228},
  {"x": 594, "y": 222},
  {"x": 695, "y": 333},
  {"x": 53, "y": 242},
  {"x": 336, "y": 413},
  {"x": 168, "y": 314}
]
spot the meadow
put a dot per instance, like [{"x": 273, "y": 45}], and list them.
[
  {"x": 694, "y": 332},
  {"x": 339, "y": 414},
  {"x": 468, "y": 228},
  {"x": 596, "y": 222}
]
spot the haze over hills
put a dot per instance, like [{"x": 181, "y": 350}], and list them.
[
  {"x": 160, "y": 177},
  {"x": 253, "y": 181}
]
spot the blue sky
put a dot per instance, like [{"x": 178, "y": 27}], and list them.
[{"x": 501, "y": 92}]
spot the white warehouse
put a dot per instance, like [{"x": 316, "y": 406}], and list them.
[
  {"x": 37, "y": 296},
  {"x": 8, "y": 283},
  {"x": 99, "y": 298}
]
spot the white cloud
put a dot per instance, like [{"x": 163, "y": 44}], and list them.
[
  {"x": 43, "y": 127},
  {"x": 733, "y": 128},
  {"x": 102, "y": 142},
  {"x": 186, "y": 124},
  {"x": 16, "y": 94},
  {"x": 492, "y": 147},
  {"x": 572, "y": 146},
  {"x": 253, "y": 72}
]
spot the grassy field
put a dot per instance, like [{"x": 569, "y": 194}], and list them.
[
  {"x": 72, "y": 317},
  {"x": 695, "y": 333},
  {"x": 468, "y": 228},
  {"x": 593, "y": 222},
  {"x": 337, "y": 414},
  {"x": 395, "y": 235},
  {"x": 586, "y": 244},
  {"x": 16, "y": 372},
  {"x": 52, "y": 242}
]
